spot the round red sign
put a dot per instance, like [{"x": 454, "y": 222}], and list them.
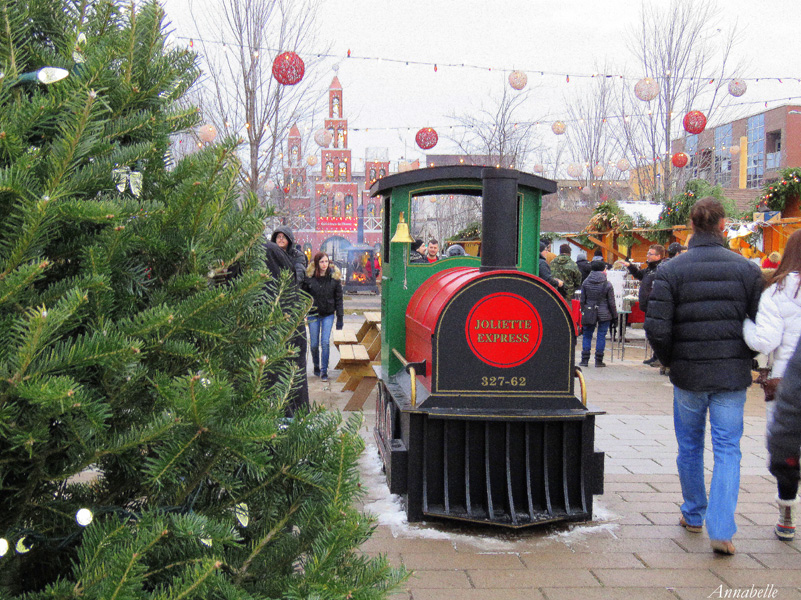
[{"x": 504, "y": 330}]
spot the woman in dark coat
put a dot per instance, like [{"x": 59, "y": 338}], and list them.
[
  {"x": 597, "y": 292},
  {"x": 323, "y": 283}
]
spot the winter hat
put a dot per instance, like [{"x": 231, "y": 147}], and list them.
[
  {"x": 581, "y": 256},
  {"x": 597, "y": 265},
  {"x": 416, "y": 244},
  {"x": 455, "y": 250},
  {"x": 675, "y": 248},
  {"x": 543, "y": 245}
]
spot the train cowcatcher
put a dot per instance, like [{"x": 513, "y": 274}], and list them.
[{"x": 477, "y": 417}]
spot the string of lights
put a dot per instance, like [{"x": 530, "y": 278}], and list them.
[{"x": 257, "y": 50}]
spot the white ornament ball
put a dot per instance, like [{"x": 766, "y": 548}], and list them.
[
  {"x": 623, "y": 165},
  {"x": 270, "y": 185},
  {"x": 558, "y": 127},
  {"x": 518, "y": 80},
  {"x": 737, "y": 87},
  {"x": 323, "y": 138},
  {"x": 311, "y": 161},
  {"x": 598, "y": 171},
  {"x": 339, "y": 196},
  {"x": 207, "y": 133},
  {"x": 539, "y": 168},
  {"x": 734, "y": 150},
  {"x": 574, "y": 169},
  {"x": 83, "y": 517},
  {"x": 646, "y": 89},
  {"x": 586, "y": 190}
]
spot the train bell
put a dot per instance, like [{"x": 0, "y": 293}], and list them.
[{"x": 402, "y": 232}]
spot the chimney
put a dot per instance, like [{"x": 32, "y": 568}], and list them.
[{"x": 499, "y": 219}]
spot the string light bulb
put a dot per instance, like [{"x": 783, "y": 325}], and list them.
[{"x": 84, "y": 517}]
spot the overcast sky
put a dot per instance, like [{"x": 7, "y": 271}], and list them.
[{"x": 565, "y": 36}]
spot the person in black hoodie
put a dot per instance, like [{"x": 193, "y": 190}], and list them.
[
  {"x": 598, "y": 299},
  {"x": 646, "y": 275},
  {"x": 584, "y": 266},
  {"x": 323, "y": 284},
  {"x": 286, "y": 241},
  {"x": 695, "y": 325}
]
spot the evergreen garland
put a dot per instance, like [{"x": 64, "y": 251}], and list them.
[
  {"x": 776, "y": 195},
  {"x": 138, "y": 378}
]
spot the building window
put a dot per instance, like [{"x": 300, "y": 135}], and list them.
[
  {"x": 371, "y": 210},
  {"x": 323, "y": 205},
  {"x": 341, "y": 140},
  {"x": 773, "y": 150},
  {"x": 756, "y": 151},
  {"x": 381, "y": 173},
  {"x": 372, "y": 174},
  {"x": 337, "y": 208},
  {"x": 349, "y": 206},
  {"x": 333, "y": 135},
  {"x": 329, "y": 169},
  {"x": 335, "y": 107},
  {"x": 722, "y": 155},
  {"x": 691, "y": 149},
  {"x": 343, "y": 170},
  {"x": 295, "y": 153}
]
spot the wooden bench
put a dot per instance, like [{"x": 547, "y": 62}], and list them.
[
  {"x": 357, "y": 373},
  {"x": 343, "y": 336}
]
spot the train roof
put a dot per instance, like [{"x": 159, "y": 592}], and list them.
[{"x": 431, "y": 174}]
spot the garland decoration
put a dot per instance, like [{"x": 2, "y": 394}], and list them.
[{"x": 775, "y": 195}]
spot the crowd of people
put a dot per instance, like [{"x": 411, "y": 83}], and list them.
[
  {"x": 708, "y": 313},
  {"x": 710, "y": 316}
]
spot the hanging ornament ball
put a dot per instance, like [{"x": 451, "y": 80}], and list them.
[
  {"x": 539, "y": 168},
  {"x": 311, "y": 161},
  {"x": 558, "y": 127},
  {"x": 327, "y": 185},
  {"x": 339, "y": 196},
  {"x": 598, "y": 171},
  {"x": 680, "y": 159},
  {"x": 22, "y": 545},
  {"x": 694, "y": 122},
  {"x": 646, "y": 89},
  {"x": 288, "y": 68},
  {"x": 426, "y": 138},
  {"x": 737, "y": 87},
  {"x": 518, "y": 80},
  {"x": 323, "y": 138},
  {"x": 734, "y": 150},
  {"x": 270, "y": 185},
  {"x": 623, "y": 165},
  {"x": 207, "y": 133},
  {"x": 574, "y": 169},
  {"x": 586, "y": 190},
  {"x": 83, "y": 517},
  {"x": 3, "y": 546}
]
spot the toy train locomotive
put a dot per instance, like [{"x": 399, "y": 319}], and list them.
[{"x": 477, "y": 416}]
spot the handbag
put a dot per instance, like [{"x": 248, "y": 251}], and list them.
[
  {"x": 589, "y": 314},
  {"x": 769, "y": 384}
]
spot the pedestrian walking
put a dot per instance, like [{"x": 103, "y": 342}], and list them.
[
  {"x": 324, "y": 284},
  {"x": 598, "y": 310},
  {"x": 784, "y": 446},
  {"x": 694, "y": 323}
]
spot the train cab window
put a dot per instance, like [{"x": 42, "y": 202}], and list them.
[{"x": 445, "y": 216}]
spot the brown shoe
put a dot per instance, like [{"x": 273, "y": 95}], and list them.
[
  {"x": 722, "y": 547},
  {"x": 690, "y": 528}
]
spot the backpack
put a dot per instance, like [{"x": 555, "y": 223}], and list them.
[{"x": 589, "y": 314}]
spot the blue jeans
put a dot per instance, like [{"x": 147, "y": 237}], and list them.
[
  {"x": 726, "y": 426},
  {"x": 600, "y": 343},
  {"x": 320, "y": 327}
]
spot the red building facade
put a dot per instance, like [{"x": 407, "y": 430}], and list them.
[{"x": 324, "y": 206}]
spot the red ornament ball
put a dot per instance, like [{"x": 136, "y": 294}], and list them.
[
  {"x": 426, "y": 138},
  {"x": 288, "y": 68},
  {"x": 694, "y": 122},
  {"x": 680, "y": 159}
]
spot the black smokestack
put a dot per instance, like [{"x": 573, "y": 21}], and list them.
[{"x": 499, "y": 219}]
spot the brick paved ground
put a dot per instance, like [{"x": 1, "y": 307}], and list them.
[{"x": 632, "y": 549}]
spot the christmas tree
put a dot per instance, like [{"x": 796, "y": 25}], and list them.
[{"x": 144, "y": 451}]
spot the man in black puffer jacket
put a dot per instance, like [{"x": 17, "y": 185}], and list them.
[{"x": 695, "y": 325}]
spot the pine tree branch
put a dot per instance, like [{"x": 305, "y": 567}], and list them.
[{"x": 240, "y": 576}]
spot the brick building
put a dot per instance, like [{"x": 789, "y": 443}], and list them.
[{"x": 766, "y": 143}]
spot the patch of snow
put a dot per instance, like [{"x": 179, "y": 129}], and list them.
[{"x": 579, "y": 533}]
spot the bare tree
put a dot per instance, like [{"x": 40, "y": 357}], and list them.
[
  {"x": 244, "y": 99},
  {"x": 499, "y": 131},
  {"x": 682, "y": 47},
  {"x": 591, "y": 140}
]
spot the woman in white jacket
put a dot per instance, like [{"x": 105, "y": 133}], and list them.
[{"x": 776, "y": 333}]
